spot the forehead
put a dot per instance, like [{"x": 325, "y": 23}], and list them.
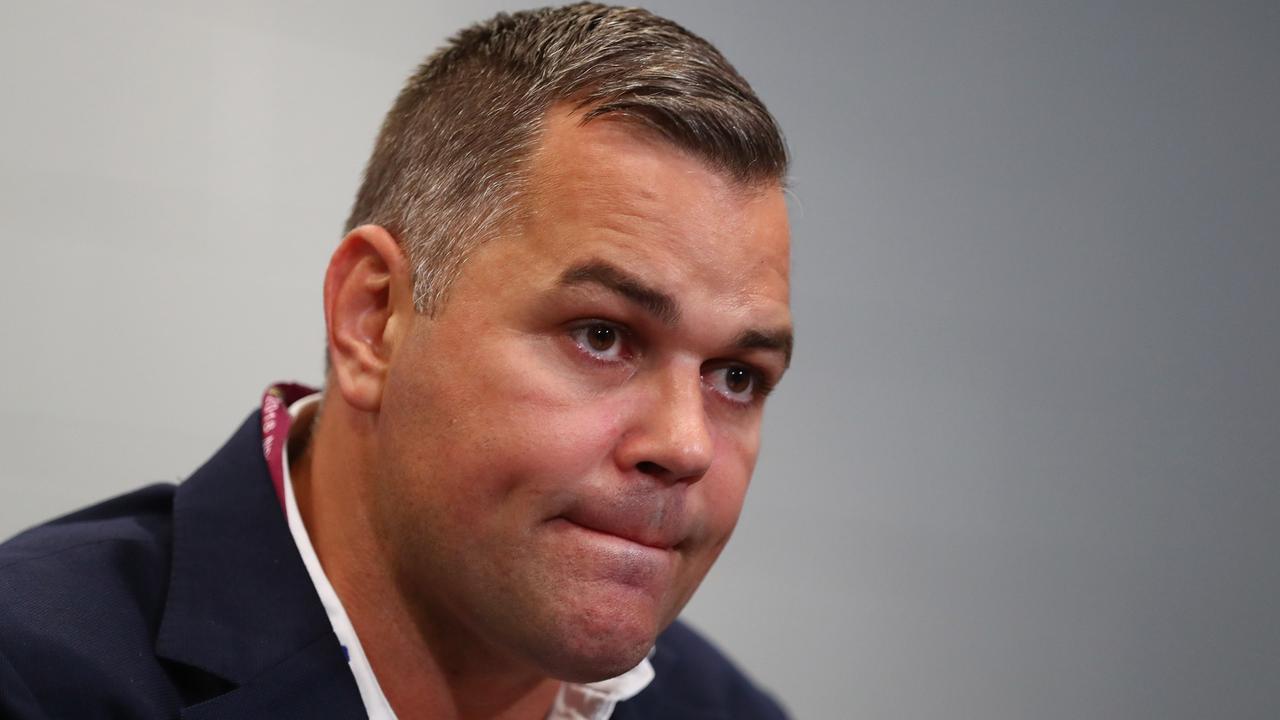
[{"x": 619, "y": 191}]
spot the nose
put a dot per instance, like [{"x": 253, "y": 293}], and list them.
[{"x": 669, "y": 437}]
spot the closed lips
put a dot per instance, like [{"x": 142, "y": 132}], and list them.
[{"x": 629, "y": 527}]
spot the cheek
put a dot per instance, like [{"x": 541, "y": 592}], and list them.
[
  {"x": 724, "y": 490},
  {"x": 544, "y": 424},
  {"x": 516, "y": 451},
  {"x": 552, "y": 449}
]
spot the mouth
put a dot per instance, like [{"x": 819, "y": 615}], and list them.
[
  {"x": 620, "y": 536},
  {"x": 613, "y": 563}
]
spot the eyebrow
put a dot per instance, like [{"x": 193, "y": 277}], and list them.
[
  {"x": 598, "y": 272},
  {"x": 779, "y": 340},
  {"x": 664, "y": 307}
]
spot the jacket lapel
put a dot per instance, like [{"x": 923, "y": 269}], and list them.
[
  {"x": 240, "y": 603},
  {"x": 311, "y": 683}
]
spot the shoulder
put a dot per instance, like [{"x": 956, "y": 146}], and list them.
[
  {"x": 693, "y": 679},
  {"x": 81, "y": 596},
  {"x": 128, "y": 535}
]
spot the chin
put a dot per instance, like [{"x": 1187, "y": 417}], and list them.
[
  {"x": 588, "y": 665},
  {"x": 599, "y": 643}
]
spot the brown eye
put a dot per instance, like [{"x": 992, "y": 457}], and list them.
[
  {"x": 601, "y": 337},
  {"x": 602, "y": 341},
  {"x": 737, "y": 383},
  {"x": 737, "y": 380}
]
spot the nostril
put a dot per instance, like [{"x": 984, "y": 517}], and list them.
[{"x": 650, "y": 468}]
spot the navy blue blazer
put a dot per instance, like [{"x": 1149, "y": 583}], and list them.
[{"x": 192, "y": 602}]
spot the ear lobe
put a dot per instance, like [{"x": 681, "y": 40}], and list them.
[{"x": 368, "y": 296}]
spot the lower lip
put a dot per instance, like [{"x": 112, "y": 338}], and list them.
[{"x": 628, "y": 561}]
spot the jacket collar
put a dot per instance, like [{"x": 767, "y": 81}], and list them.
[{"x": 240, "y": 604}]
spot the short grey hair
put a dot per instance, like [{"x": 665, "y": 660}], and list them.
[{"x": 451, "y": 160}]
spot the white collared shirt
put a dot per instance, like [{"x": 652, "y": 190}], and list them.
[{"x": 591, "y": 701}]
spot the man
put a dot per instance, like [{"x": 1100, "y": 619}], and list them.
[{"x": 552, "y": 324}]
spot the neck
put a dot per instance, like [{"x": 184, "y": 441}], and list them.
[{"x": 426, "y": 665}]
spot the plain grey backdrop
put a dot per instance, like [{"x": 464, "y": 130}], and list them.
[{"x": 1026, "y": 462}]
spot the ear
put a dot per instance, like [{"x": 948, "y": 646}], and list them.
[{"x": 368, "y": 306}]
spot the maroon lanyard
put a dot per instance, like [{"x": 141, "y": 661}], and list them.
[{"x": 275, "y": 428}]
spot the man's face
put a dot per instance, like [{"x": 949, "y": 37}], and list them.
[{"x": 566, "y": 445}]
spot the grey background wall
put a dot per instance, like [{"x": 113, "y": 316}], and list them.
[{"x": 1025, "y": 465}]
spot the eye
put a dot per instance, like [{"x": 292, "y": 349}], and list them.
[
  {"x": 737, "y": 383},
  {"x": 600, "y": 340}
]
